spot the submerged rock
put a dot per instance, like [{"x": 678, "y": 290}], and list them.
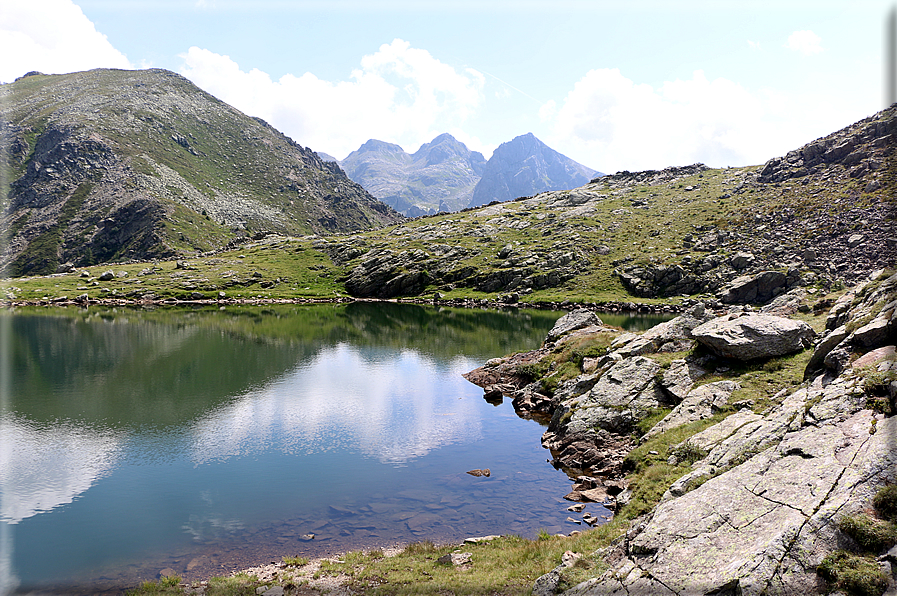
[{"x": 484, "y": 472}]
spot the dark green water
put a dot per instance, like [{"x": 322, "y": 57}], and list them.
[{"x": 201, "y": 441}]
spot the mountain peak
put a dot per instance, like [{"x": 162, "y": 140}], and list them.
[
  {"x": 380, "y": 146},
  {"x": 440, "y": 176},
  {"x": 442, "y": 138},
  {"x": 526, "y": 166}
]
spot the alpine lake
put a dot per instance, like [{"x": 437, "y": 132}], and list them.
[{"x": 210, "y": 439}]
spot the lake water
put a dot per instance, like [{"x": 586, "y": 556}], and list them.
[{"x": 206, "y": 440}]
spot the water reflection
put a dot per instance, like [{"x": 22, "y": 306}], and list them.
[
  {"x": 43, "y": 467},
  {"x": 130, "y": 434},
  {"x": 384, "y": 405}
]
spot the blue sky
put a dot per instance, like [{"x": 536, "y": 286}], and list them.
[{"x": 613, "y": 85}]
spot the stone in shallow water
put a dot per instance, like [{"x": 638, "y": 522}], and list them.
[{"x": 479, "y": 539}]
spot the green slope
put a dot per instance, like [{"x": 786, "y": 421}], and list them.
[{"x": 192, "y": 171}]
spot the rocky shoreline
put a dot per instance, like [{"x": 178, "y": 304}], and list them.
[
  {"x": 607, "y": 307},
  {"x": 762, "y": 505}
]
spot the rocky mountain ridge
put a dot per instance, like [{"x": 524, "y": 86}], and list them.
[
  {"x": 440, "y": 176},
  {"x": 444, "y": 175},
  {"x": 725, "y": 232},
  {"x": 653, "y": 240},
  {"x": 112, "y": 164}
]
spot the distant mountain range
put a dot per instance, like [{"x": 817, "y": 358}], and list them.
[{"x": 444, "y": 175}]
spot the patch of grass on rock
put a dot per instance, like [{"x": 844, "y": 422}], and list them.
[{"x": 855, "y": 575}]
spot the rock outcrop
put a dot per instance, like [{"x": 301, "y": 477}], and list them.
[
  {"x": 761, "y": 507},
  {"x": 386, "y": 273},
  {"x": 760, "y": 510}
]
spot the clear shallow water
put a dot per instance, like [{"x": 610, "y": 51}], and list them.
[{"x": 202, "y": 441}]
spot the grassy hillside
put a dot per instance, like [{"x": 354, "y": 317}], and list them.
[{"x": 109, "y": 165}]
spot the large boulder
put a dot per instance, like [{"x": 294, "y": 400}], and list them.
[
  {"x": 680, "y": 377},
  {"x": 753, "y": 336},
  {"x": 824, "y": 346}
]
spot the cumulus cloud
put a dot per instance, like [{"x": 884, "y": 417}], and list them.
[
  {"x": 612, "y": 123},
  {"x": 804, "y": 42},
  {"x": 399, "y": 94},
  {"x": 51, "y": 36}
]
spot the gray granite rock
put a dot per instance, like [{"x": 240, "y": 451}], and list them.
[
  {"x": 703, "y": 402},
  {"x": 626, "y": 393},
  {"x": 759, "y": 288},
  {"x": 754, "y": 336},
  {"x": 680, "y": 377},
  {"x": 572, "y": 321}
]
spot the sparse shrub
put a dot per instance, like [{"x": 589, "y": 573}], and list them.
[
  {"x": 240, "y": 584},
  {"x": 532, "y": 371},
  {"x": 773, "y": 365},
  {"x": 885, "y": 502},
  {"x": 421, "y": 548},
  {"x": 580, "y": 353},
  {"x": 860, "y": 576},
  {"x": 881, "y": 405},
  {"x": 165, "y": 586},
  {"x": 870, "y": 534},
  {"x": 877, "y": 382}
]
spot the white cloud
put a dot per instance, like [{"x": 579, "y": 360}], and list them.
[
  {"x": 399, "y": 94},
  {"x": 51, "y": 36},
  {"x": 754, "y": 45},
  {"x": 804, "y": 42},
  {"x": 548, "y": 110},
  {"x": 611, "y": 123}
]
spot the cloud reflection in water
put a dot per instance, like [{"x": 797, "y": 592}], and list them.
[
  {"x": 43, "y": 467},
  {"x": 382, "y": 403}
]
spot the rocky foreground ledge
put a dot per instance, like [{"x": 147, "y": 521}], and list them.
[{"x": 777, "y": 490}]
